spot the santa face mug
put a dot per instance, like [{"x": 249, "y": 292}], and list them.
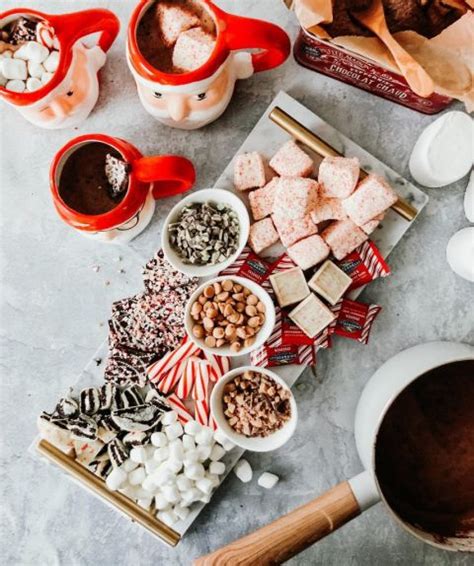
[
  {"x": 103, "y": 186},
  {"x": 185, "y": 57},
  {"x": 47, "y": 73}
]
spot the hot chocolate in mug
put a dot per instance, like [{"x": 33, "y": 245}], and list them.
[
  {"x": 103, "y": 186},
  {"x": 186, "y": 69},
  {"x": 66, "y": 95}
]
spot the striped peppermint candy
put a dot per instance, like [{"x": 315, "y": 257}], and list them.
[
  {"x": 201, "y": 412},
  {"x": 186, "y": 383},
  {"x": 178, "y": 406},
  {"x": 212, "y": 422},
  {"x": 220, "y": 365},
  {"x": 169, "y": 381},
  {"x": 169, "y": 360},
  {"x": 202, "y": 378}
]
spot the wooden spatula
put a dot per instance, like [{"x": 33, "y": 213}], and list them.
[{"x": 373, "y": 18}]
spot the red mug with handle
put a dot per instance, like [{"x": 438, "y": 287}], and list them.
[
  {"x": 149, "y": 179},
  {"x": 193, "y": 98},
  {"x": 64, "y": 93}
]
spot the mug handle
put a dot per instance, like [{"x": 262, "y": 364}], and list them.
[
  {"x": 170, "y": 174},
  {"x": 249, "y": 33},
  {"x": 71, "y": 27}
]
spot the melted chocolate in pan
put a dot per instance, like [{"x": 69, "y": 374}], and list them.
[{"x": 425, "y": 452}]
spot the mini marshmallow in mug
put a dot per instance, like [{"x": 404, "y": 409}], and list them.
[
  {"x": 194, "y": 98},
  {"x": 69, "y": 83}
]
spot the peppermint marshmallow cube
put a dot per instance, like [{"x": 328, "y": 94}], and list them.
[
  {"x": 309, "y": 252},
  {"x": 262, "y": 235},
  {"x": 192, "y": 49},
  {"x": 291, "y": 231},
  {"x": 173, "y": 20},
  {"x": 338, "y": 176},
  {"x": 249, "y": 171},
  {"x": 371, "y": 225},
  {"x": 372, "y": 197},
  {"x": 291, "y": 161},
  {"x": 327, "y": 209},
  {"x": 295, "y": 197},
  {"x": 343, "y": 237},
  {"x": 261, "y": 200}
]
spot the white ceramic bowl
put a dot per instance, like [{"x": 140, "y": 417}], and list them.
[
  {"x": 255, "y": 444},
  {"x": 219, "y": 196},
  {"x": 262, "y": 335}
]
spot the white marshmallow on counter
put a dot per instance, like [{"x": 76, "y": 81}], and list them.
[
  {"x": 217, "y": 452},
  {"x": 469, "y": 199},
  {"x": 159, "y": 439},
  {"x": 116, "y": 479},
  {"x": 243, "y": 471},
  {"x": 217, "y": 468},
  {"x": 205, "y": 485},
  {"x": 460, "y": 253},
  {"x": 137, "y": 476},
  {"x": 443, "y": 152},
  {"x": 161, "y": 503},
  {"x": 15, "y": 85},
  {"x": 14, "y": 69},
  {"x": 167, "y": 517},
  {"x": 52, "y": 62},
  {"x": 174, "y": 431},
  {"x": 129, "y": 465},
  {"x": 169, "y": 418},
  {"x": 181, "y": 512},
  {"x": 214, "y": 479},
  {"x": 192, "y": 428},
  {"x": 205, "y": 498},
  {"x": 138, "y": 454},
  {"x": 194, "y": 471},
  {"x": 33, "y": 84},
  {"x": 268, "y": 480},
  {"x": 33, "y": 51}
]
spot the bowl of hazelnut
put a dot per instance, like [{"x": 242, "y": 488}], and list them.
[
  {"x": 254, "y": 408},
  {"x": 229, "y": 316}
]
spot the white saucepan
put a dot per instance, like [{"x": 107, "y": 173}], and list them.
[{"x": 292, "y": 533}]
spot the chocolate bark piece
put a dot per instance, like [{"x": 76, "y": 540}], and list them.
[
  {"x": 117, "y": 452},
  {"x": 116, "y": 171},
  {"x": 89, "y": 401},
  {"x": 83, "y": 427},
  {"x": 67, "y": 407},
  {"x": 159, "y": 275},
  {"x": 132, "y": 396},
  {"x": 22, "y": 30},
  {"x": 139, "y": 418}
]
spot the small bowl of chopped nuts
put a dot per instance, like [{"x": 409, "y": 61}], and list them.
[
  {"x": 254, "y": 408},
  {"x": 229, "y": 316},
  {"x": 205, "y": 232}
]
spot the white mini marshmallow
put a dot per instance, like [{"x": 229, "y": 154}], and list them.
[
  {"x": 167, "y": 517},
  {"x": 171, "y": 493},
  {"x": 137, "y": 477},
  {"x": 161, "y": 503},
  {"x": 205, "y": 485},
  {"x": 205, "y": 436},
  {"x": 149, "y": 484},
  {"x": 116, "y": 479},
  {"x": 52, "y": 62},
  {"x": 243, "y": 471},
  {"x": 162, "y": 475},
  {"x": 161, "y": 454},
  {"x": 194, "y": 471},
  {"x": 214, "y": 479},
  {"x": 14, "y": 69},
  {"x": 33, "y": 51},
  {"x": 217, "y": 468},
  {"x": 190, "y": 457},
  {"x": 138, "y": 454},
  {"x": 228, "y": 445},
  {"x": 35, "y": 69},
  {"x": 268, "y": 480},
  {"x": 204, "y": 452},
  {"x": 145, "y": 502},
  {"x": 151, "y": 466},
  {"x": 129, "y": 465},
  {"x": 188, "y": 442},
  {"x": 174, "y": 431},
  {"x": 181, "y": 512},
  {"x": 183, "y": 483},
  {"x": 190, "y": 496},
  {"x": 205, "y": 498},
  {"x": 192, "y": 428},
  {"x": 33, "y": 84},
  {"x": 174, "y": 465},
  {"x": 169, "y": 418},
  {"x": 176, "y": 450},
  {"x": 159, "y": 439},
  {"x": 46, "y": 77},
  {"x": 219, "y": 436},
  {"x": 217, "y": 452}
]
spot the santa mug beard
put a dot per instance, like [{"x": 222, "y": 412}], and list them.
[
  {"x": 194, "y": 105},
  {"x": 73, "y": 100}
]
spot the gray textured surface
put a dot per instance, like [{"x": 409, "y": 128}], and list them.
[{"x": 53, "y": 307}]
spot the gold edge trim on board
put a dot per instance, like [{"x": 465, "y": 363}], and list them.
[
  {"x": 97, "y": 485},
  {"x": 316, "y": 144}
]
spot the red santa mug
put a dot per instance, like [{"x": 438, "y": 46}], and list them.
[
  {"x": 84, "y": 198},
  {"x": 54, "y": 83},
  {"x": 190, "y": 98}
]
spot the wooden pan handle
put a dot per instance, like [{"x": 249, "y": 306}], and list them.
[{"x": 291, "y": 534}]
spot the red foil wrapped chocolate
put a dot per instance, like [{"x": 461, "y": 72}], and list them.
[
  {"x": 363, "y": 265},
  {"x": 355, "y": 320}
]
